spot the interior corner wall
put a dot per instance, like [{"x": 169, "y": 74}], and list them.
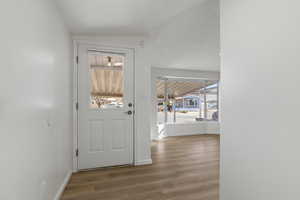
[
  {"x": 190, "y": 40},
  {"x": 35, "y": 100},
  {"x": 260, "y": 100}
]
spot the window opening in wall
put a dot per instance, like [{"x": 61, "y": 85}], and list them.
[{"x": 181, "y": 100}]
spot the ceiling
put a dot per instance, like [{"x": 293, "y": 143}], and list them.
[
  {"x": 181, "y": 88},
  {"x": 120, "y": 17}
]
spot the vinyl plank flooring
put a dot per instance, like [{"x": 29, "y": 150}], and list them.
[{"x": 184, "y": 168}]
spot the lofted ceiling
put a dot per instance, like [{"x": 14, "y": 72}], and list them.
[{"x": 120, "y": 17}]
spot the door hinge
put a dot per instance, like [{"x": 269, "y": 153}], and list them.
[
  {"x": 77, "y": 106},
  {"x": 77, "y": 59},
  {"x": 77, "y": 152}
]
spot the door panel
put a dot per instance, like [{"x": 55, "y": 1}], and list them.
[
  {"x": 96, "y": 135},
  {"x": 118, "y": 134},
  {"x": 105, "y": 90}
]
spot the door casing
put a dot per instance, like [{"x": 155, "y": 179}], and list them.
[{"x": 96, "y": 45}]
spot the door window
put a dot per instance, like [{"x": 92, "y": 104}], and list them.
[{"x": 106, "y": 71}]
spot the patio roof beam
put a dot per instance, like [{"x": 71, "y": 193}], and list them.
[
  {"x": 103, "y": 67},
  {"x": 205, "y": 102}
]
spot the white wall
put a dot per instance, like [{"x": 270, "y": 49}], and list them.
[
  {"x": 196, "y": 128},
  {"x": 35, "y": 100},
  {"x": 190, "y": 40},
  {"x": 260, "y": 100}
]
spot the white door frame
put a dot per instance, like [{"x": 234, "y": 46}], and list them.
[{"x": 76, "y": 43}]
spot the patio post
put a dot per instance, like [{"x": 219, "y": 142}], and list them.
[
  {"x": 200, "y": 104},
  {"x": 174, "y": 110},
  {"x": 165, "y": 101},
  {"x": 205, "y": 103},
  {"x": 218, "y": 100}
]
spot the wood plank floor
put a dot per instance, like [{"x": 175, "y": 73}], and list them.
[{"x": 184, "y": 168}]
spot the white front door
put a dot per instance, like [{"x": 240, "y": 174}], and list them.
[{"x": 105, "y": 106}]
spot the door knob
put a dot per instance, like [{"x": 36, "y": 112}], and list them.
[{"x": 129, "y": 112}]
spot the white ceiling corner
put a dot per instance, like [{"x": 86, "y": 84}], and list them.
[{"x": 120, "y": 17}]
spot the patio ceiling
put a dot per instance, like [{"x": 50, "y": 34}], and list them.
[
  {"x": 106, "y": 81},
  {"x": 180, "y": 88}
]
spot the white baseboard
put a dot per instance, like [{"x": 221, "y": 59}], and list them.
[
  {"x": 63, "y": 186},
  {"x": 143, "y": 162}
]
